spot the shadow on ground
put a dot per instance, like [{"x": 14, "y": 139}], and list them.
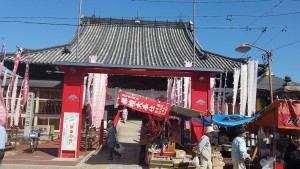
[{"x": 129, "y": 156}]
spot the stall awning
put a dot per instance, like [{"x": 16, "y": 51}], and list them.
[
  {"x": 283, "y": 115},
  {"x": 184, "y": 112},
  {"x": 227, "y": 120}
]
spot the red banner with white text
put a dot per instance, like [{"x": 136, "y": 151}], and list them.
[
  {"x": 144, "y": 104},
  {"x": 289, "y": 114}
]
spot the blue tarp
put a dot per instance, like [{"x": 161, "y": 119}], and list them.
[{"x": 226, "y": 120}]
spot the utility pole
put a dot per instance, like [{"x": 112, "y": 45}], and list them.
[{"x": 78, "y": 30}]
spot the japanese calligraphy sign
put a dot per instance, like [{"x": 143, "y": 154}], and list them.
[
  {"x": 29, "y": 114},
  {"x": 70, "y": 133},
  {"x": 144, "y": 104},
  {"x": 289, "y": 114}
]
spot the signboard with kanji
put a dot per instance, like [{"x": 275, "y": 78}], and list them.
[
  {"x": 144, "y": 104},
  {"x": 70, "y": 133},
  {"x": 289, "y": 114}
]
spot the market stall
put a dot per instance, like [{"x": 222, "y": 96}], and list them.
[
  {"x": 165, "y": 126},
  {"x": 279, "y": 120}
]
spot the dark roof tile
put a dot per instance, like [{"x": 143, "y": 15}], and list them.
[{"x": 127, "y": 42}]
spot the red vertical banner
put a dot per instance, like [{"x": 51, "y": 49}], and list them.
[{"x": 71, "y": 115}]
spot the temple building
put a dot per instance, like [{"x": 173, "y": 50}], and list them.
[{"x": 119, "y": 43}]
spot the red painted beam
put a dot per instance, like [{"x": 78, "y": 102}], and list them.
[{"x": 145, "y": 72}]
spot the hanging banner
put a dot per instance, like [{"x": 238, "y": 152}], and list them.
[
  {"x": 289, "y": 114},
  {"x": 144, "y": 104},
  {"x": 2, "y": 108}
]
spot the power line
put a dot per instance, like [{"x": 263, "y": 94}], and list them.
[
  {"x": 40, "y": 23},
  {"x": 275, "y": 36},
  {"x": 35, "y": 17},
  {"x": 270, "y": 40},
  {"x": 266, "y": 13},
  {"x": 150, "y": 17},
  {"x": 66, "y": 24},
  {"x": 200, "y": 2},
  {"x": 289, "y": 44}
]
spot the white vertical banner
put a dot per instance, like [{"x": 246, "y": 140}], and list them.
[
  {"x": 4, "y": 77},
  {"x": 169, "y": 90},
  {"x": 236, "y": 78},
  {"x": 105, "y": 119},
  {"x": 243, "y": 89},
  {"x": 250, "y": 88},
  {"x": 29, "y": 114},
  {"x": 212, "y": 95},
  {"x": 252, "y": 84},
  {"x": 116, "y": 93},
  {"x": 173, "y": 93},
  {"x": 17, "y": 110},
  {"x": 13, "y": 99},
  {"x": 187, "y": 88},
  {"x": 84, "y": 100},
  {"x": 219, "y": 96},
  {"x": 179, "y": 91},
  {"x": 223, "y": 105}
]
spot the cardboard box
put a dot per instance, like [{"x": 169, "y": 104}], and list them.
[
  {"x": 161, "y": 161},
  {"x": 180, "y": 153},
  {"x": 218, "y": 162}
]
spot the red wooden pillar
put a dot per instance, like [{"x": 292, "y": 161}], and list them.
[
  {"x": 71, "y": 115},
  {"x": 200, "y": 100}
]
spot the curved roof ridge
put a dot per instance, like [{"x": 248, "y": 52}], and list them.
[
  {"x": 225, "y": 57},
  {"x": 86, "y": 21},
  {"x": 43, "y": 49}
]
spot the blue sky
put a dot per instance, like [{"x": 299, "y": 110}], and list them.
[{"x": 221, "y": 25}]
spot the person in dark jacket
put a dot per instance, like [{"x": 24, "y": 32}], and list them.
[
  {"x": 143, "y": 142},
  {"x": 294, "y": 157},
  {"x": 291, "y": 147},
  {"x": 112, "y": 140}
]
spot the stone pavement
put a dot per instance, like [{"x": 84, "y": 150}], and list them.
[{"x": 46, "y": 155}]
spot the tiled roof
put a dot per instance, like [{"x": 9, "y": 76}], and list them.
[
  {"x": 132, "y": 42},
  {"x": 263, "y": 83}
]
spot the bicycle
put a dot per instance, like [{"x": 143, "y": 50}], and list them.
[{"x": 34, "y": 135}]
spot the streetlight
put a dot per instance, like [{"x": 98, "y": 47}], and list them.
[{"x": 244, "y": 48}]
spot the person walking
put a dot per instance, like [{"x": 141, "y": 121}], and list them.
[
  {"x": 124, "y": 114},
  {"x": 290, "y": 148},
  {"x": 294, "y": 156},
  {"x": 239, "y": 150},
  {"x": 204, "y": 149},
  {"x": 3, "y": 140},
  {"x": 143, "y": 142},
  {"x": 112, "y": 140}
]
